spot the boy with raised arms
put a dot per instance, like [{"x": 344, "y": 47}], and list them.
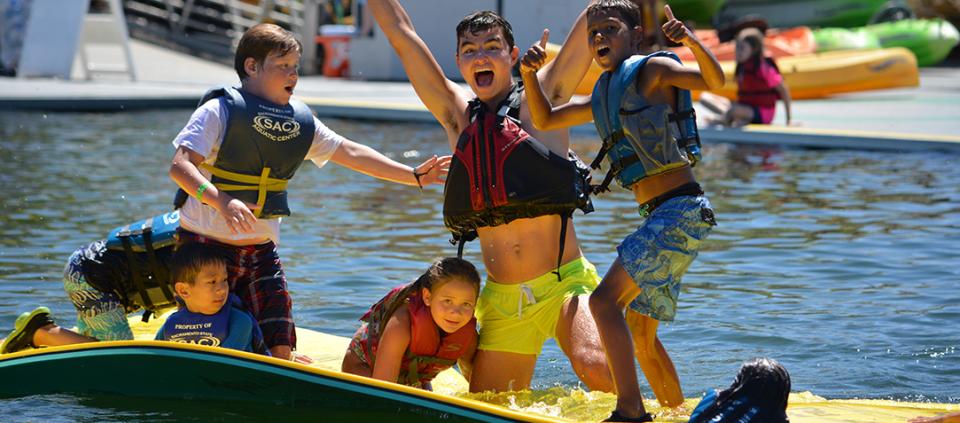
[{"x": 525, "y": 249}]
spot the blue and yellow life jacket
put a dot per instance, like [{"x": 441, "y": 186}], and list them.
[
  {"x": 639, "y": 138},
  {"x": 263, "y": 146}
]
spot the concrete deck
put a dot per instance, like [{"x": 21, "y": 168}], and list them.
[{"x": 926, "y": 117}]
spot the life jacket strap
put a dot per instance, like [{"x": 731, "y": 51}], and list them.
[
  {"x": 136, "y": 273},
  {"x": 261, "y": 183},
  {"x": 158, "y": 272},
  {"x": 605, "y": 147},
  {"x": 563, "y": 237},
  {"x": 615, "y": 169},
  {"x": 460, "y": 244},
  {"x": 683, "y": 115}
]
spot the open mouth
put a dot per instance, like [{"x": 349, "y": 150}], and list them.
[
  {"x": 484, "y": 78},
  {"x": 603, "y": 51},
  {"x": 289, "y": 89}
]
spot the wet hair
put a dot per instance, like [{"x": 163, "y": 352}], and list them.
[
  {"x": 443, "y": 270},
  {"x": 190, "y": 259},
  {"x": 760, "y": 389},
  {"x": 629, "y": 12},
  {"x": 261, "y": 40},
  {"x": 482, "y": 21},
  {"x": 753, "y": 37}
]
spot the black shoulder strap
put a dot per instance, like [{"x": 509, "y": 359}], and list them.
[
  {"x": 563, "y": 237},
  {"x": 136, "y": 271},
  {"x": 510, "y": 106}
]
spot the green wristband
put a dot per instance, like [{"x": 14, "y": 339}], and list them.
[{"x": 200, "y": 189}]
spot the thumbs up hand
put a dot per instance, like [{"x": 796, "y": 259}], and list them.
[
  {"x": 674, "y": 29},
  {"x": 536, "y": 55}
]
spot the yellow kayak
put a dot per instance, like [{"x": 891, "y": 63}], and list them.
[{"x": 816, "y": 75}]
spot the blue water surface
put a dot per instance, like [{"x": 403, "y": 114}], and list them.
[{"x": 843, "y": 265}]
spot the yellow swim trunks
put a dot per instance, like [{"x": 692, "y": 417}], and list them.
[{"x": 519, "y": 318}]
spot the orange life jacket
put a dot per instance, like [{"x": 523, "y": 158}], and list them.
[{"x": 430, "y": 351}]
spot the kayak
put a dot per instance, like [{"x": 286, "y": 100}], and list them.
[
  {"x": 931, "y": 40},
  {"x": 826, "y": 74},
  {"x": 701, "y": 12},
  {"x": 277, "y": 387},
  {"x": 815, "y": 13},
  {"x": 814, "y": 75},
  {"x": 777, "y": 43},
  {"x": 833, "y": 39}
]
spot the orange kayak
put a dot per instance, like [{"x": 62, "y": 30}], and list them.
[{"x": 778, "y": 43}]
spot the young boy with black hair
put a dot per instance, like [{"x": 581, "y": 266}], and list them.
[
  {"x": 641, "y": 107},
  {"x": 209, "y": 314}
]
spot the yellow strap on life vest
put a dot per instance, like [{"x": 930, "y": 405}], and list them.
[{"x": 262, "y": 183}]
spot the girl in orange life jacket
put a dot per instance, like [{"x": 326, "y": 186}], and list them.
[
  {"x": 419, "y": 329},
  {"x": 759, "y": 85}
]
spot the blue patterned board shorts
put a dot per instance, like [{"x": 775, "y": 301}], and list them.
[
  {"x": 658, "y": 254},
  {"x": 100, "y": 315}
]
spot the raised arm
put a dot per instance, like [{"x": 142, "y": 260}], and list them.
[
  {"x": 445, "y": 99},
  {"x": 708, "y": 77},
  {"x": 368, "y": 161},
  {"x": 546, "y": 117},
  {"x": 560, "y": 77}
]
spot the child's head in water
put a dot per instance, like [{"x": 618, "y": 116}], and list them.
[
  {"x": 450, "y": 288},
  {"x": 758, "y": 394}
]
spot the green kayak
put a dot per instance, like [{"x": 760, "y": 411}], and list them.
[
  {"x": 814, "y": 13},
  {"x": 833, "y": 39},
  {"x": 931, "y": 40},
  {"x": 699, "y": 11}
]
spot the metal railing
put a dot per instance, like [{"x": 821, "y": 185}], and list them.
[{"x": 212, "y": 28}]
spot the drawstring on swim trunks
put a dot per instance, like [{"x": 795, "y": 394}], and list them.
[{"x": 525, "y": 292}]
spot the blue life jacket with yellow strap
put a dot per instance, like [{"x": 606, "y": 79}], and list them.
[
  {"x": 639, "y": 138},
  {"x": 147, "y": 246},
  {"x": 263, "y": 145},
  {"x": 231, "y": 327},
  {"x": 500, "y": 173}
]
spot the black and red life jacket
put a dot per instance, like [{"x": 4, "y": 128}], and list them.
[{"x": 500, "y": 173}]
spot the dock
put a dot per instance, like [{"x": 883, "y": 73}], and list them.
[{"x": 922, "y": 118}]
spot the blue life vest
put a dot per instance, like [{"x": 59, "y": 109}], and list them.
[
  {"x": 263, "y": 146},
  {"x": 641, "y": 139},
  {"x": 147, "y": 246},
  {"x": 733, "y": 410},
  {"x": 231, "y": 327}
]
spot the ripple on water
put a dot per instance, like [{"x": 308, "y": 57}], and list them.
[{"x": 840, "y": 264}]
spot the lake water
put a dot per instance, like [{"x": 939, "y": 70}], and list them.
[{"x": 843, "y": 265}]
